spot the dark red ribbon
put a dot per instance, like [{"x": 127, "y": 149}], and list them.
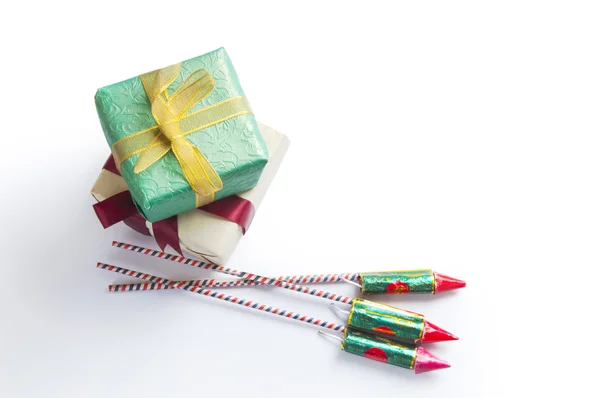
[
  {"x": 115, "y": 209},
  {"x": 137, "y": 223},
  {"x": 111, "y": 166},
  {"x": 232, "y": 208},
  {"x": 166, "y": 233},
  {"x": 120, "y": 207}
]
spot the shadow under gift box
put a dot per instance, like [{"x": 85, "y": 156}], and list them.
[
  {"x": 219, "y": 125},
  {"x": 201, "y": 233}
]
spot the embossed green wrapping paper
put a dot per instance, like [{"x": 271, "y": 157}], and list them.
[
  {"x": 379, "y": 349},
  {"x": 398, "y": 282},
  {"x": 383, "y": 319},
  {"x": 234, "y": 148}
]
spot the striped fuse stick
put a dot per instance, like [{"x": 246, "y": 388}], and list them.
[
  {"x": 125, "y": 287},
  {"x": 388, "y": 282},
  {"x": 222, "y": 296},
  {"x": 214, "y": 283},
  {"x": 219, "y": 268},
  {"x": 297, "y": 279}
]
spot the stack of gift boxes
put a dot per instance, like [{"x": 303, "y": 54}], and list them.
[{"x": 205, "y": 105}]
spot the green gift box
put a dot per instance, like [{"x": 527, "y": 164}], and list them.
[{"x": 182, "y": 136}]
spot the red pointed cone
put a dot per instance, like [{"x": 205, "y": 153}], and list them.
[
  {"x": 434, "y": 334},
  {"x": 444, "y": 283},
  {"x": 426, "y": 362}
]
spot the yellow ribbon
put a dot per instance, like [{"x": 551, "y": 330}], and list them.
[{"x": 173, "y": 123}]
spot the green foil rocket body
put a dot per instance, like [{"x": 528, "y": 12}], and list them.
[
  {"x": 387, "y": 321},
  {"x": 380, "y": 349},
  {"x": 234, "y": 147},
  {"x": 398, "y": 282}
]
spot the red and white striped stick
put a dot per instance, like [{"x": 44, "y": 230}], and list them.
[
  {"x": 214, "y": 283},
  {"x": 219, "y": 268},
  {"x": 297, "y": 279},
  {"x": 221, "y": 296},
  {"x": 127, "y": 287}
]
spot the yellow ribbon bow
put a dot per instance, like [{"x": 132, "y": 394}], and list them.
[{"x": 173, "y": 123}]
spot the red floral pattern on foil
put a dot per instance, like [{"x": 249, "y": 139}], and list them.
[
  {"x": 397, "y": 288},
  {"x": 376, "y": 354}
]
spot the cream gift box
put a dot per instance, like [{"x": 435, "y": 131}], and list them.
[{"x": 201, "y": 233}]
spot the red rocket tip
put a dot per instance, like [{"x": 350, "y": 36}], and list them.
[
  {"x": 444, "y": 283},
  {"x": 434, "y": 334},
  {"x": 426, "y": 362}
]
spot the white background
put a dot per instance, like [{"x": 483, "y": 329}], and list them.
[{"x": 462, "y": 136}]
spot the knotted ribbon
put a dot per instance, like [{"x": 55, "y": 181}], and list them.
[{"x": 174, "y": 121}]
